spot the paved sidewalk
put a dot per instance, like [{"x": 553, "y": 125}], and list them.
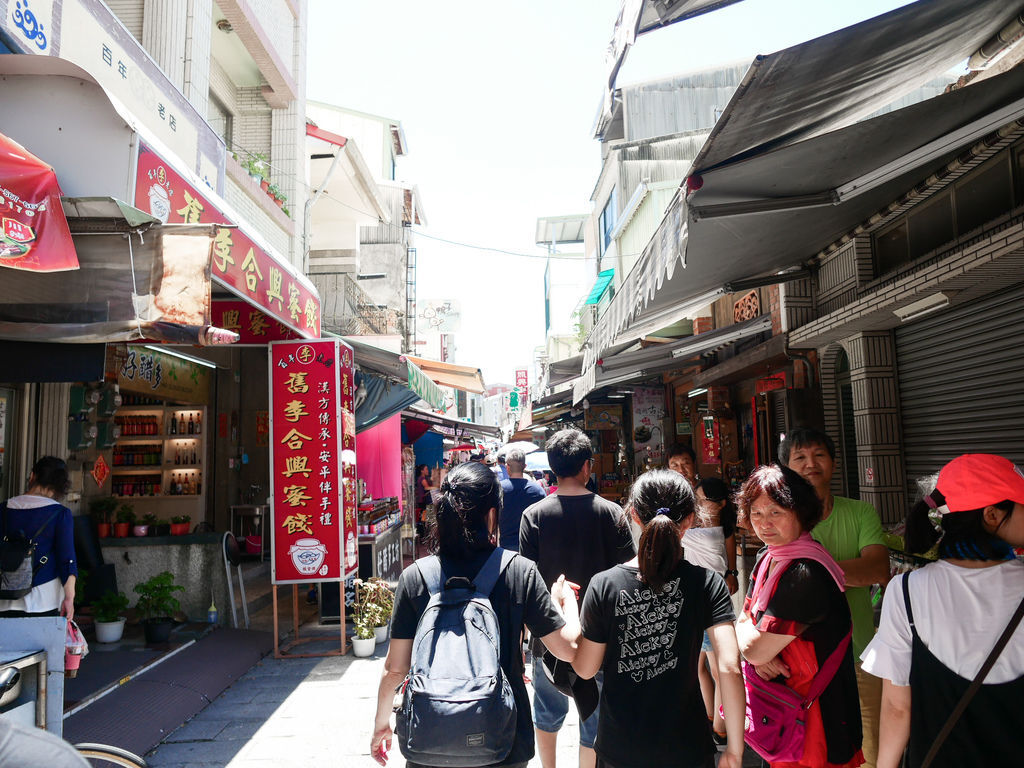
[{"x": 298, "y": 712}]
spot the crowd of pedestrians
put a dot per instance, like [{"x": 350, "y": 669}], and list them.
[{"x": 631, "y": 615}]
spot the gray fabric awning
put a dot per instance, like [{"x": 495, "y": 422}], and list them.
[
  {"x": 780, "y": 200},
  {"x": 454, "y": 427},
  {"x": 837, "y": 79}
]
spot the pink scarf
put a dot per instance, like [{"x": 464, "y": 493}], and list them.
[{"x": 804, "y": 547}]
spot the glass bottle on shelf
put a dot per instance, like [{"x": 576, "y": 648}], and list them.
[
  {"x": 199, "y": 423},
  {"x": 191, "y": 425},
  {"x": 174, "y": 424}
]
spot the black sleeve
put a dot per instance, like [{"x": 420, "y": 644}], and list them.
[
  {"x": 718, "y": 603},
  {"x": 620, "y": 536},
  {"x": 593, "y": 614},
  {"x": 539, "y": 612},
  {"x": 410, "y": 601},
  {"x": 528, "y": 536},
  {"x": 802, "y": 597}
]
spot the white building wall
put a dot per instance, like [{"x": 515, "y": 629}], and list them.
[{"x": 370, "y": 132}]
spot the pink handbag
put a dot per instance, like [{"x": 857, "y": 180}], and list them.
[{"x": 776, "y": 720}]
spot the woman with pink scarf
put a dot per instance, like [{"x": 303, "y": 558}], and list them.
[{"x": 795, "y": 614}]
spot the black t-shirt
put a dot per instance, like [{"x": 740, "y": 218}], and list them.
[
  {"x": 575, "y": 535},
  {"x": 520, "y": 597},
  {"x": 808, "y": 603},
  {"x": 652, "y": 713}
]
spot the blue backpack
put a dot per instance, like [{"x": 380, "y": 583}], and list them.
[{"x": 457, "y": 704}]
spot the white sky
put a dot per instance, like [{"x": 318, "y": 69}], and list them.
[{"x": 497, "y": 101}]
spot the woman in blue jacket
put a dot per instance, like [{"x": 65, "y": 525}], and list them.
[{"x": 39, "y": 509}]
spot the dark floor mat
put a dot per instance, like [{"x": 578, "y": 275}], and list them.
[
  {"x": 141, "y": 713},
  {"x": 103, "y": 667}
]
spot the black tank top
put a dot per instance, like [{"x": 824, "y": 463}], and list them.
[{"x": 991, "y": 729}]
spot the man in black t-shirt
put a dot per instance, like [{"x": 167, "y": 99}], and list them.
[{"x": 575, "y": 532}]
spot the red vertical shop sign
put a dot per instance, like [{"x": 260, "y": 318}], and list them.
[{"x": 312, "y": 461}]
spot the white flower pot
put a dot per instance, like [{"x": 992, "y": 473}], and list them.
[
  {"x": 361, "y": 647},
  {"x": 109, "y": 631},
  {"x": 380, "y": 634}
]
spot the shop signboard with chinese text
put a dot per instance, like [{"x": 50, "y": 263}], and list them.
[
  {"x": 312, "y": 461},
  {"x": 237, "y": 262},
  {"x": 253, "y": 326},
  {"x": 158, "y": 374}
]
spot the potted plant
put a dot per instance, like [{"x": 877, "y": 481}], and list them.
[
  {"x": 101, "y": 511},
  {"x": 144, "y": 526},
  {"x": 373, "y": 606},
  {"x": 157, "y": 605},
  {"x": 179, "y": 525},
  {"x": 363, "y": 642},
  {"x": 273, "y": 190},
  {"x": 162, "y": 528},
  {"x": 256, "y": 166},
  {"x": 108, "y": 613},
  {"x": 125, "y": 520}
]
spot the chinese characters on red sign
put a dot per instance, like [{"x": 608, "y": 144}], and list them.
[
  {"x": 312, "y": 461},
  {"x": 252, "y": 325},
  {"x": 236, "y": 261}
]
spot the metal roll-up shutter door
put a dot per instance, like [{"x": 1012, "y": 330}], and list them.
[{"x": 961, "y": 379}]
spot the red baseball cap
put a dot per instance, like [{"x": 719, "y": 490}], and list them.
[{"x": 976, "y": 480}]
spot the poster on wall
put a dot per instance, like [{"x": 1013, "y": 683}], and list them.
[
  {"x": 312, "y": 462},
  {"x": 709, "y": 441},
  {"x": 648, "y": 421},
  {"x": 600, "y": 416}
]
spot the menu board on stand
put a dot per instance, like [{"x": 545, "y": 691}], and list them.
[{"x": 312, "y": 467}]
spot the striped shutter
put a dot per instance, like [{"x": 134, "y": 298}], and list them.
[{"x": 961, "y": 383}]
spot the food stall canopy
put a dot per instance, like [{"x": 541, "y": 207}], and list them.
[
  {"x": 137, "y": 279},
  {"x": 399, "y": 368},
  {"x": 453, "y": 427},
  {"x": 787, "y": 143},
  {"x": 461, "y": 377},
  {"x": 384, "y": 398}
]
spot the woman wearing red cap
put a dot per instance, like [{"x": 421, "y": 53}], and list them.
[{"x": 940, "y": 623}]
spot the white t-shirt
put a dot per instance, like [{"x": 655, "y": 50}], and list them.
[
  {"x": 705, "y": 547},
  {"x": 959, "y": 614},
  {"x": 43, "y": 597}
]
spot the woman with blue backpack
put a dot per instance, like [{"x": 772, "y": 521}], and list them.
[
  {"x": 455, "y": 638},
  {"x": 37, "y": 524}
]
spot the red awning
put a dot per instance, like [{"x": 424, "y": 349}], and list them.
[{"x": 34, "y": 234}]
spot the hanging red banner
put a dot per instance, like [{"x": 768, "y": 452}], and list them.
[
  {"x": 34, "y": 234},
  {"x": 312, "y": 462},
  {"x": 237, "y": 262}
]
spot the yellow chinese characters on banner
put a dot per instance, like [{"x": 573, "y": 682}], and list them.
[{"x": 314, "y": 530}]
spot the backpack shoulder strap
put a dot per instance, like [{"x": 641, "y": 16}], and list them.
[
  {"x": 430, "y": 570},
  {"x": 496, "y": 564},
  {"x": 3, "y": 518},
  {"x": 45, "y": 522}
]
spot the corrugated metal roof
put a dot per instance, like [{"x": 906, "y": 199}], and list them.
[{"x": 561, "y": 229}]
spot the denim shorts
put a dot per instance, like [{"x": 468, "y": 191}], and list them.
[
  {"x": 705, "y": 644},
  {"x": 550, "y": 706}
]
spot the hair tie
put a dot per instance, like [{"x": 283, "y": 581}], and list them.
[{"x": 663, "y": 511}]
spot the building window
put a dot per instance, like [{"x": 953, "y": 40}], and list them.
[
  {"x": 982, "y": 195},
  {"x": 220, "y": 119},
  {"x": 607, "y": 221}
]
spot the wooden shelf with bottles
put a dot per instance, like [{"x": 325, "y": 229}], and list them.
[{"x": 160, "y": 455}]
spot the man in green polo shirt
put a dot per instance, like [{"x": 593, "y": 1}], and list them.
[{"x": 852, "y": 533}]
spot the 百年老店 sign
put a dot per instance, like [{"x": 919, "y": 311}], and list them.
[{"x": 312, "y": 461}]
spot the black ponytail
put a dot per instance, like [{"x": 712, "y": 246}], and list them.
[
  {"x": 962, "y": 536},
  {"x": 662, "y": 500},
  {"x": 468, "y": 493}
]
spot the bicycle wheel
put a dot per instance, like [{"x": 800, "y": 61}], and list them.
[{"x": 101, "y": 755}]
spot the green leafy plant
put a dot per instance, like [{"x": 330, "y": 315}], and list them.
[
  {"x": 257, "y": 165},
  {"x": 286, "y": 211},
  {"x": 156, "y": 596},
  {"x": 181, "y": 519},
  {"x": 374, "y": 602},
  {"x": 149, "y": 519},
  {"x": 110, "y": 606},
  {"x": 102, "y": 509},
  {"x": 274, "y": 190},
  {"x": 126, "y": 514}
]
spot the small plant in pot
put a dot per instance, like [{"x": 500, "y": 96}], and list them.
[
  {"x": 101, "y": 511},
  {"x": 108, "y": 613},
  {"x": 143, "y": 526},
  {"x": 125, "y": 520},
  {"x": 363, "y": 642},
  {"x": 157, "y": 605},
  {"x": 179, "y": 524},
  {"x": 256, "y": 166}
]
